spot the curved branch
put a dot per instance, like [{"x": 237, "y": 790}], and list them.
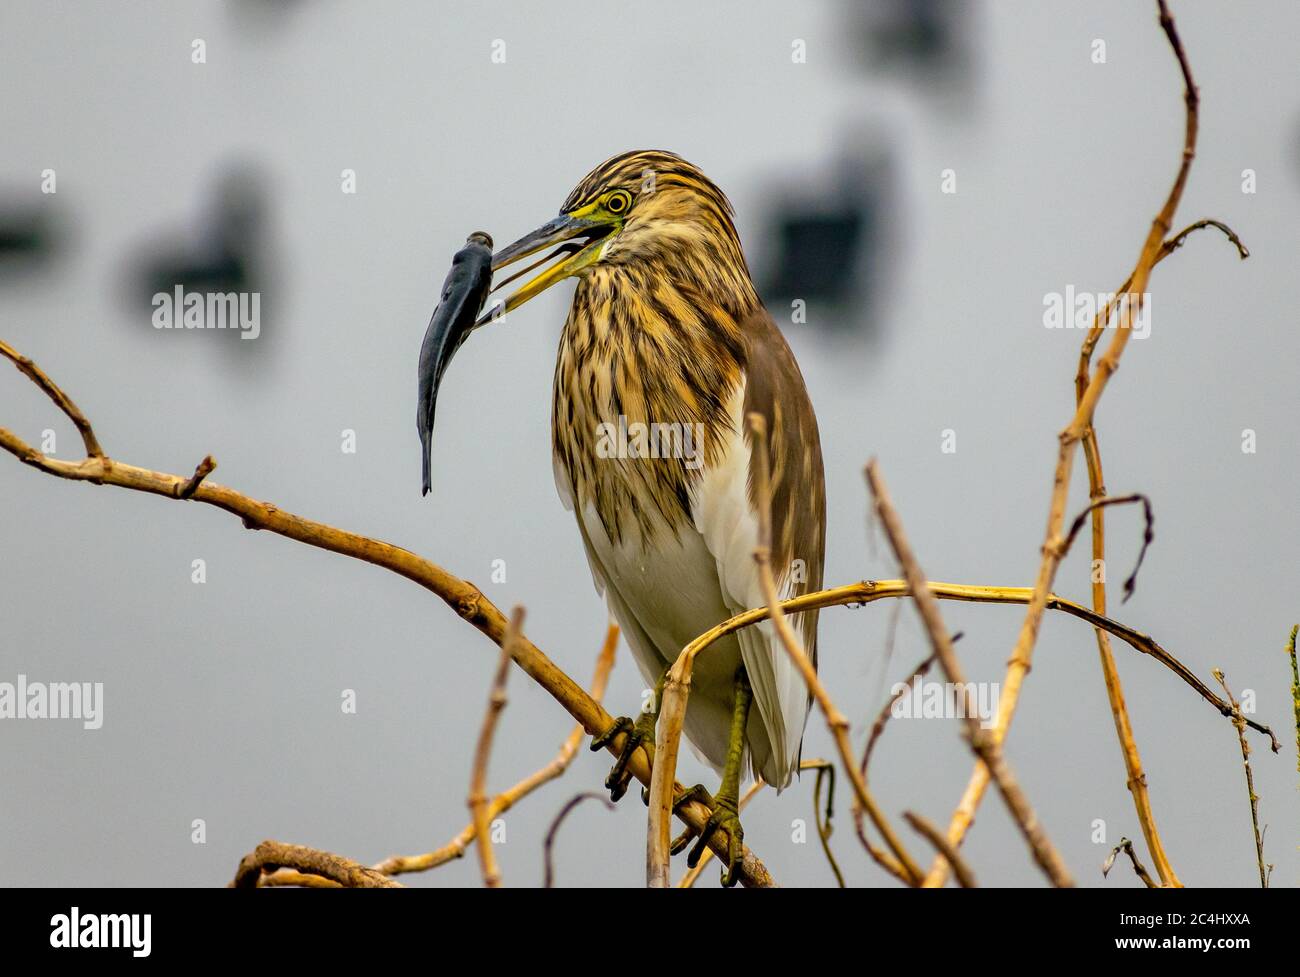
[
  {"x": 1093, "y": 509},
  {"x": 927, "y": 830},
  {"x": 271, "y": 856},
  {"x": 61, "y": 400},
  {"x": 549, "y": 844}
]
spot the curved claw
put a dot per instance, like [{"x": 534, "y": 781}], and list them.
[
  {"x": 621, "y": 725},
  {"x": 696, "y": 793},
  {"x": 726, "y": 817},
  {"x": 636, "y": 737}
]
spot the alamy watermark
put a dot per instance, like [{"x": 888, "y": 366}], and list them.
[
  {"x": 1073, "y": 309},
  {"x": 128, "y": 931},
  {"x": 653, "y": 440},
  {"x": 181, "y": 309},
  {"x": 53, "y": 700},
  {"x": 945, "y": 700}
]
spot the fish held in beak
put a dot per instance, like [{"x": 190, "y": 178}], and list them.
[
  {"x": 578, "y": 242},
  {"x": 464, "y": 293}
]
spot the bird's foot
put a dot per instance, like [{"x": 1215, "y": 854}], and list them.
[
  {"x": 726, "y": 803},
  {"x": 639, "y": 735},
  {"x": 696, "y": 793},
  {"x": 725, "y": 817}
]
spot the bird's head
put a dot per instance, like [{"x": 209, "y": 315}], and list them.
[{"x": 646, "y": 207}]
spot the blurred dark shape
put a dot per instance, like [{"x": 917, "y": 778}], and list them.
[
  {"x": 264, "y": 14},
  {"x": 220, "y": 257},
  {"x": 225, "y": 253},
  {"x": 28, "y": 238},
  {"x": 820, "y": 251},
  {"x": 827, "y": 245},
  {"x": 929, "y": 38}
]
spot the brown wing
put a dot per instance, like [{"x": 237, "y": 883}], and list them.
[{"x": 775, "y": 389}]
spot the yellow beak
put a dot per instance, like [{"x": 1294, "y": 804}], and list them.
[{"x": 574, "y": 255}]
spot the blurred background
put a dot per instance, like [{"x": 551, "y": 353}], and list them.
[{"x": 831, "y": 125}]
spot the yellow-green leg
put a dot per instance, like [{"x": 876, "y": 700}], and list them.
[{"x": 726, "y": 803}]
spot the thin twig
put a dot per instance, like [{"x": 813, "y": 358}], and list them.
[
  {"x": 1239, "y": 721},
  {"x": 61, "y": 400},
  {"x": 507, "y": 799},
  {"x": 1126, "y": 847},
  {"x": 549, "y": 878},
  {"x": 1136, "y": 776},
  {"x": 478, "y": 799},
  {"x": 825, "y": 770},
  {"x": 877, "y": 728},
  {"x": 1148, "y": 531},
  {"x": 931, "y": 833},
  {"x": 201, "y": 471},
  {"x": 986, "y": 748},
  {"x": 1176, "y": 242}
]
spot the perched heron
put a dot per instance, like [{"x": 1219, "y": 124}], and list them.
[{"x": 667, "y": 340}]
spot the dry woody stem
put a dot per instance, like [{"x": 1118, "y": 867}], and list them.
[
  {"x": 1239, "y": 721},
  {"x": 1153, "y": 249},
  {"x": 478, "y": 798},
  {"x": 507, "y": 799},
  {"x": 985, "y": 747}
]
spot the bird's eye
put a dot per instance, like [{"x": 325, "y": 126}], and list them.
[{"x": 619, "y": 201}]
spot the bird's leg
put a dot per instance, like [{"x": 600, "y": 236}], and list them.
[
  {"x": 726, "y": 803},
  {"x": 640, "y": 734}
]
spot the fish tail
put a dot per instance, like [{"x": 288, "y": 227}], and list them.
[{"x": 428, "y": 450}]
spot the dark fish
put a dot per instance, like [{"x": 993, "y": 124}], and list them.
[{"x": 463, "y": 295}]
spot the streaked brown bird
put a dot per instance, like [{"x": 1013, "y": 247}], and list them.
[{"x": 666, "y": 349}]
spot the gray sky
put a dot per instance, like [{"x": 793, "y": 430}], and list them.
[{"x": 223, "y": 699}]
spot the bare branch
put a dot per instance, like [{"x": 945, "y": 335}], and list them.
[
  {"x": 1148, "y": 533},
  {"x": 1177, "y": 241},
  {"x": 825, "y": 771},
  {"x": 965, "y": 877},
  {"x": 1240, "y": 722},
  {"x": 985, "y": 747},
  {"x": 61, "y": 400},
  {"x": 201, "y": 471},
  {"x": 554, "y": 829},
  {"x": 478, "y": 799},
  {"x": 270, "y": 856},
  {"x": 504, "y": 801},
  {"x": 1126, "y": 847}
]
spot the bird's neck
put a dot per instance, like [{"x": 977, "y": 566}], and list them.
[{"x": 645, "y": 359}]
